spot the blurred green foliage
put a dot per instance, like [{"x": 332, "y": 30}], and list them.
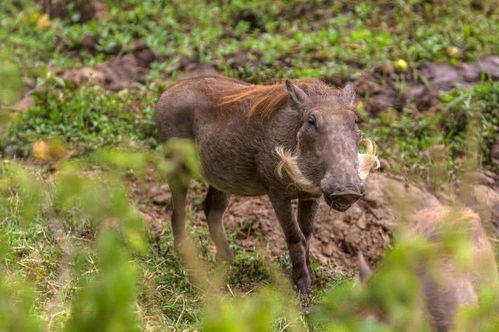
[
  {"x": 260, "y": 312},
  {"x": 10, "y": 85},
  {"x": 75, "y": 253},
  {"x": 392, "y": 300},
  {"x": 76, "y": 201},
  {"x": 106, "y": 303},
  {"x": 87, "y": 117}
]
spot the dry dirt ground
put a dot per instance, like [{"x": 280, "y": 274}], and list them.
[{"x": 367, "y": 226}]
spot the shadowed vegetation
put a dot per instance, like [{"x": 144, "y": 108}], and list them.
[{"x": 75, "y": 251}]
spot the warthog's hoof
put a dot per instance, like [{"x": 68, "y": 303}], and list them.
[
  {"x": 311, "y": 274},
  {"x": 302, "y": 283},
  {"x": 179, "y": 244},
  {"x": 225, "y": 255}
]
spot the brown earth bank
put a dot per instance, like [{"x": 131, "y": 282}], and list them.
[
  {"x": 367, "y": 226},
  {"x": 87, "y": 9},
  {"x": 119, "y": 73},
  {"x": 379, "y": 88}
]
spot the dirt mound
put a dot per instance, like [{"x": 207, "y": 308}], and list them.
[
  {"x": 380, "y": 87},
  {"x": 119, "y": 73},
  {"x": 485, "y": 201},
  {"x": 338, "y": 236},
  {"x": 366, "y": 226},
  {"x": 87, "y": 9}
]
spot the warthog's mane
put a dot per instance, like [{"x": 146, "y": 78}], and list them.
[
  {"x": 265, "y": 99},
  {"x": 288, "y": 165}
]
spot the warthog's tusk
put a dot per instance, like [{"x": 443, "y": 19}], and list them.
[{"x": 368, "y": 160}]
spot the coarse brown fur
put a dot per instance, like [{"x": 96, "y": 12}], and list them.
[
  {"x": 451, "y": 286},
  {"x": 238, "y": 127},
  {"x": 266, "y": 99},
  {"x": 446, "y": 285}
]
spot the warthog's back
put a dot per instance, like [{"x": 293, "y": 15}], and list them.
[
  {"x": 234, "y": 149},
  {"x": 178, "y": 106}
]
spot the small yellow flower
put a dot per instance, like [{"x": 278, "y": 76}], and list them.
[
  {"x": 43, "y": 21},
  {"x": 41, "y": 150},
  {"x": 401, "y": 64},
  {"x": 360, "y": 105},
  {"x": 453, "y": 52},
  {"x": 50, "y": 150}
]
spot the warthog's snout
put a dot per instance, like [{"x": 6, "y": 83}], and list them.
[{"x": 341, "y": 200}]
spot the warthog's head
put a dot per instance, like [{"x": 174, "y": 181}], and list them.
[{"x": 327, "y": 158}]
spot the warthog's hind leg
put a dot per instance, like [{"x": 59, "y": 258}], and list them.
[
  {"x": 179, "y": 193},
  {"x": 214, "y": 206}
]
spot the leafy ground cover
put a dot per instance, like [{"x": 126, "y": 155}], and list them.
[{"x": 72, "y": 238}]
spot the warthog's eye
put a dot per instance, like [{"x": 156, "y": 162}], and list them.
[{"x": 311, "y": 119}]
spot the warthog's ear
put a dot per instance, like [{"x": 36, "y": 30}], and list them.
[
  {"x": 364, "y": 269},
  {"x": 298, "y": 96},
  {"x": 348, "y": 94}
]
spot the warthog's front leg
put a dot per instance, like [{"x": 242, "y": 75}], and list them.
[
  {"x": 295, "y": 240},
  {"x": 307, "y": 210}
]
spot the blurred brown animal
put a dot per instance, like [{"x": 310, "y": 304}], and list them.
[
  {"x": 449, "y": 287},
  {"x": 293, "y": 140}
]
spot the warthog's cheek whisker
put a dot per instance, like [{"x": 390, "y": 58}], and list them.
[{"x": 288, "y": 164}]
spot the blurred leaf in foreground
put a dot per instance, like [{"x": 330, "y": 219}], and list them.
[
  {"x": 106, "y": 302},
  {"x": 10, "y": 85}
]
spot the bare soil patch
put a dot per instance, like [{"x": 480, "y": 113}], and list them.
[
  {"x": 119, "y": 73},
  {"x": 87, "y": 9},
  {"x": 385, "y": 87},
  {"x": 379, "y": 88},
  {"x": 366, "y": 226}
]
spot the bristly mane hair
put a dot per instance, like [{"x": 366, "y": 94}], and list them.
[{"x": 265, "y": 99}]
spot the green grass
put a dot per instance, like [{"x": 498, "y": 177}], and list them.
[
  {"x": 86, "y": 118},
  {"x": 317, "y": 38},
  {"x": 404, "y": 136},
  {"x": 62, "y": 263}
]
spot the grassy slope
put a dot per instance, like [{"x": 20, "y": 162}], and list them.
[{"x": 278, "y": 38}]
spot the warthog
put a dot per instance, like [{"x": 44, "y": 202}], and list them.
[
  {"x": 445, "y": 285},
  {"x": 289, "y": 141}
]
